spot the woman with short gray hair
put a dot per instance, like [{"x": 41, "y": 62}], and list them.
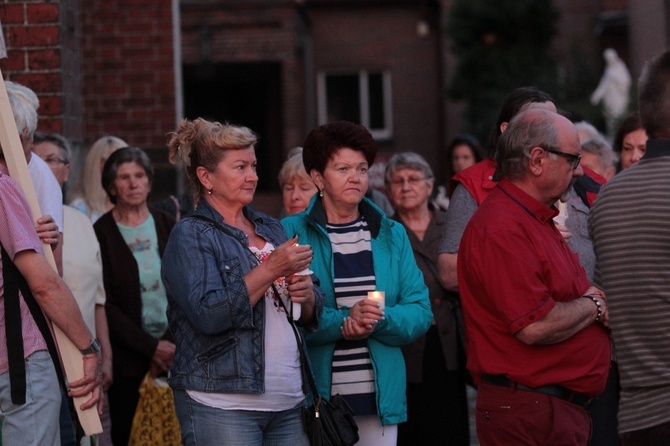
[{"x": 436, "y": 398}]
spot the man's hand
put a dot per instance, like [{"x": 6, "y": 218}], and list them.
[
  {"x": 47, "y": 230},
  {"x": 90, "y": 383}
]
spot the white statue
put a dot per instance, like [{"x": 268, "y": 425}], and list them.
[{"x": 613, "y": 90}]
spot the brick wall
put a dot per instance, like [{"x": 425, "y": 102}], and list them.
[
  {"x": 247, "y": 33},
  {"x": 35, "y": 38},
  {"x": 127, "y": 70},
  {"x": 345, "y": 42}
]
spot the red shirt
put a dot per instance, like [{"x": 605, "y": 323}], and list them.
[
  {"x": 477, "y": 179},
  {"x": 513, "y": 266}
]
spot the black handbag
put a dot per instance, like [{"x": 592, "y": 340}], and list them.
[{"x": 327, "y": 422}]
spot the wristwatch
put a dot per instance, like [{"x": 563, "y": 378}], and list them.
[{"x": 93, "y": 348}]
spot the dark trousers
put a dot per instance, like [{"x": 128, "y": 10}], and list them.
[
  {"x": 653, "y": 436},
  {"x": 123, "y": 397},
  {"x": 437, "y": 408},
  {"x": 604, "y": 412},
  {"x": 507, "y": 416}
]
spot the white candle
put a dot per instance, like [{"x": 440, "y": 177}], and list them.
[
  {"x": 562, "y": 216},
  {"x": 379, "y": 297}
]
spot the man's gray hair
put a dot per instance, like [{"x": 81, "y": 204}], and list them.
[
  {"x": 24, "y": 103},
  {"x": 531, "y": 128}
]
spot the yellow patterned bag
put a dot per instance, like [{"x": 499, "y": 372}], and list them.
[{"x": 155, "y": 421}]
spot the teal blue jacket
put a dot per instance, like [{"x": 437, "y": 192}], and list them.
[{"x": 408, "y": 314}]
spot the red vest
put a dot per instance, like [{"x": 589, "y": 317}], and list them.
[{"x": 477, "y": 179}]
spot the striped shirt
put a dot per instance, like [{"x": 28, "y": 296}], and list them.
[
  {"x": 629, "y": 226},
  {"x": 353, "y": 376}
]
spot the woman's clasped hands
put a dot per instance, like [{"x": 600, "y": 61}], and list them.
[{"x": 362, "y": 320}]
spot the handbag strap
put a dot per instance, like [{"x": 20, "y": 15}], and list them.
[
  {"x": 304, "y": 362},
  {"x": 289, "y": 316}
]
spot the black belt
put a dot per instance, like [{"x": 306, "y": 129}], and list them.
[{"x": 554, "y": 390}]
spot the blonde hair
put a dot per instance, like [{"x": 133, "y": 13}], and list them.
[
  {"x": 202, "y": 143},
  {"x": 89, "y": 187},
  {"x": 293, "y": 167}
]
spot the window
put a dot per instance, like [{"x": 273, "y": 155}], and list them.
[{"x": 363, "y": 97}]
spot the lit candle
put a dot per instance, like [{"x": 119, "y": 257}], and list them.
[
  {"x": 379, "y": 297},
  {"x": 562, "y": 216}
]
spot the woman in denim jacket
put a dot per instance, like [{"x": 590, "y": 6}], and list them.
[{"x": 236, "y": 375}]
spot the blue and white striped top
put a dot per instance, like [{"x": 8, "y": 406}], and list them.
[{"x": 353, "y": 376}]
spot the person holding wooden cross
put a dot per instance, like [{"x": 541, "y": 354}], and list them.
[
  {"x": 24, "y": 104},
  {"x": 30, "y": 412}
]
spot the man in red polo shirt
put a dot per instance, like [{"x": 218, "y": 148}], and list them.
[{"x": 536, "y": 331}]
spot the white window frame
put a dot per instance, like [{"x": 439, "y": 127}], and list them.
[{"x": 363, "y": 100}]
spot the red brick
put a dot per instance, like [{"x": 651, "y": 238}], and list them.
[
  {"x": 15, "y": 61},
  {"x": 33, "y": 36},
  {"x": 12, "y": 14},
  {"x": 44, "y": 59},
  {"x": 50, "y": 125},
  {"x": 42, "y": 13},
  {"x": 40, "y": 82},
  {"x": 50, "y": 105}
]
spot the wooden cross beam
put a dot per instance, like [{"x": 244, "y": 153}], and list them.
[{"x": 18, "y": 170}]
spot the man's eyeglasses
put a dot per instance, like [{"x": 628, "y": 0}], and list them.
[{"x": 573, "y": 157}]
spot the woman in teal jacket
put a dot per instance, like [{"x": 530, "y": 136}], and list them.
[{"x": 356, "y": 350}]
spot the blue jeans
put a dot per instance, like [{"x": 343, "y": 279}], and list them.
[
  {"x": 37, "y": 421},
  {"x": 205, "y": 425}
]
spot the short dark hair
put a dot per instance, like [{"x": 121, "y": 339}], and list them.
[
  {"x": 654, "y": 96},
  {"x": 468, "y": 140},
  {"x": 128, "y": 154},
  {"x": 323, "y": 141},
  {"x": 511, "y": 106},
  {"x": 629, "y": 124}
]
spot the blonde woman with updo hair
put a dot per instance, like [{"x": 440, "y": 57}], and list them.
[
  {"x": 230, "y": 277},
  {"x": 88, "y": 196}
]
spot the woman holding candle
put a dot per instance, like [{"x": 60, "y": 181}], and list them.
[
  {"x": 436, "y": 397},
  {"x": 236, "y": 374},
  {"x": 357, "y": 250}
]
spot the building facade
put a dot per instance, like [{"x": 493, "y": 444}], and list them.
[{"x": 133, "y": 68}]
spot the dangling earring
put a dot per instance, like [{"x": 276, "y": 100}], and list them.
[
  {"x": 321, "y": 193},
  {"x": 209, "y": 191}
]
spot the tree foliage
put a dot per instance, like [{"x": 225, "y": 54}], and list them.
[{"x": 499, "y": 46}]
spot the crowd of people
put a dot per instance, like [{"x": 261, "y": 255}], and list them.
[{"x": 536, "y": 275}]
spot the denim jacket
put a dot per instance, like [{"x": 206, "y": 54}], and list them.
[{"x": 219, "y": 337}]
